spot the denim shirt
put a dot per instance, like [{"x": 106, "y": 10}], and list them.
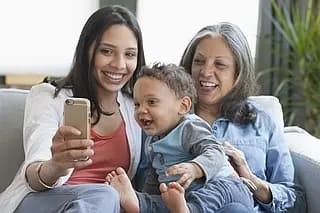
[
  {"x": 267, "y": 155},
  {"x": 190, "y": 141}
]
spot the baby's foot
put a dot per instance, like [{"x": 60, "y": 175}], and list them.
[
  {"x": 120, "y": 181},
  {"x": 173, "y": 197}
]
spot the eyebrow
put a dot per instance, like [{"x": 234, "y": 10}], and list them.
[
  {"x": 220, "y": 56},
  {"x": 114, "y": 46}
]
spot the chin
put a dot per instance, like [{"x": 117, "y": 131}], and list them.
[{"x": 113, "y": 88}]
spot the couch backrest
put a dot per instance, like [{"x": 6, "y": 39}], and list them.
[
  {"x": 272, "y": 106},
  {"x": 12, "y": 103}
]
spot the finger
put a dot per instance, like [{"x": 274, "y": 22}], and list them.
[
  {"x": 77, "y": 144},
  {"x": 73, "y": 155},
  {"x": 230, "y": 152},
  {"x": 187, "y": 183},
  {"x": 65, "y": 131},
  {"x": 70, "y": 145},
  {"x": 228, "y": 146},
  {"x": 81, "y": 164},
  {"x": 75, "y": 164},
  {"x": 175, "y": 170},
  {"x": 183, "y": 178}
]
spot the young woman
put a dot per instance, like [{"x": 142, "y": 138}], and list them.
[{"x": 60, "y": 174}]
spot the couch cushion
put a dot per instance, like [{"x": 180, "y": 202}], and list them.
[{"x": 12, "y": 103}]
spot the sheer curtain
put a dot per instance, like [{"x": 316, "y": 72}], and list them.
[{"x": 38, "y": 37}]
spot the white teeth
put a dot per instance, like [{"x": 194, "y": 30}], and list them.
[
  {"x": 114, "y": 76},
  {"x": 145, "y": 122},
  {"x": 207, "y": 84}
]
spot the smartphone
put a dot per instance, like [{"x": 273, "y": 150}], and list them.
[{"x": 77, "y": 114}]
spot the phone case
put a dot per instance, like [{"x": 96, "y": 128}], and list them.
[{"x": 77, "y": 114}]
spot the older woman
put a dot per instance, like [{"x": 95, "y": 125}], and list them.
[{"x": 220, "y": 62}]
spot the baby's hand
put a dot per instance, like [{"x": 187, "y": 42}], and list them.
[{"x": 188, "y": 172}]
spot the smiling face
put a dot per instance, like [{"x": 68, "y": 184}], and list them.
[
  {"x": 213, "y": 70},
  {"x": 115, "y": 59},
  {"x": 157, "y": 109}
]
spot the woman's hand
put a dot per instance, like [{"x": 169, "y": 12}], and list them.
[
  {"x": 260, "y": 188},
  {"x": 188, "y": 172},
  {"x": 67, "y": 153},
  {"x": 237, "y": 160}
]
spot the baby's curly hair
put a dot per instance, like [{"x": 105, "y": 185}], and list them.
[{"x": 175, "y": 77}]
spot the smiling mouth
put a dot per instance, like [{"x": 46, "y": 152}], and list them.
[
  {"x": 113, "y": 76},
  {"x": 145, "y": 123},
  {"x": 207, "y": 84}
]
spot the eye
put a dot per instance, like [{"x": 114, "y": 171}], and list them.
[
  {"x": 106, "y": 51},
  {"x": 198, "y": 61},
  {"x": 152, "y": 102},
  {"x": 220, "y": 65},
  {"x": 131, "y": 54}
]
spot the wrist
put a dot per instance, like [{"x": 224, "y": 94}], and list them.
[
  {"x": 44, "y": 182},
  {"x": 198, "y": 171},
  {"x": 262, "y": 192}
]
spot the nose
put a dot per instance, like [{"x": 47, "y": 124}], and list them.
[
  {"x": 207, "y": 69},
  {"x": 142, "y": 109},
  {"x": 118, "y": 61}
]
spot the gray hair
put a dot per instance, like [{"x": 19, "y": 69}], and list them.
[{"x": 234, "y": 105}]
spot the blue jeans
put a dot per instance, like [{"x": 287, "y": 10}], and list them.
[
  {"x": 87, "y": 198},
  {"x": 234, "y": 208},
  {"x": 216, "y": 195}
]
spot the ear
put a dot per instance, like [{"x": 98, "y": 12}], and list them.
[{"x": 185, "y": 105}]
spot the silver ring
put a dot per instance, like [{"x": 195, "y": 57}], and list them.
[{"x": 83, "y": 159}]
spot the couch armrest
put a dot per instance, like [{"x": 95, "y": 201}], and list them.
[
  {"x": 305, "y": 151},
  {"x": 12, "y": 103}
]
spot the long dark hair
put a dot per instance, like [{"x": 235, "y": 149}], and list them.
[
  {"x": 234, "y": 105},
  {"x": 81, "y": 76}
]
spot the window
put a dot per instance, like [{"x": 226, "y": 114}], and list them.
[{"x": 169, "y": 25}]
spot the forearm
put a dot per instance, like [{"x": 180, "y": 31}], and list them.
[{"x": 42, "y": 174}]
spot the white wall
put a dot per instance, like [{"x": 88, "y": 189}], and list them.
[
  {"x": 40, "y": 36},
  {"x": 168, "y": 25}
]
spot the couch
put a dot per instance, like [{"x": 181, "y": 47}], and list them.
[{"x": 305, "y": 148}]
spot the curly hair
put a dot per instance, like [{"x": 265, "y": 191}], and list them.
[{"x": 175, "y": 77}]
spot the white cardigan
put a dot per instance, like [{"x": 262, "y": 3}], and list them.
[{"x": 43, "y": 116}]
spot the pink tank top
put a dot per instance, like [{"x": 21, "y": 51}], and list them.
[{"x": 110, "y": 152}]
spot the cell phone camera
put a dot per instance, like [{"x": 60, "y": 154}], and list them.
[{"x": 69, "y": 102}]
